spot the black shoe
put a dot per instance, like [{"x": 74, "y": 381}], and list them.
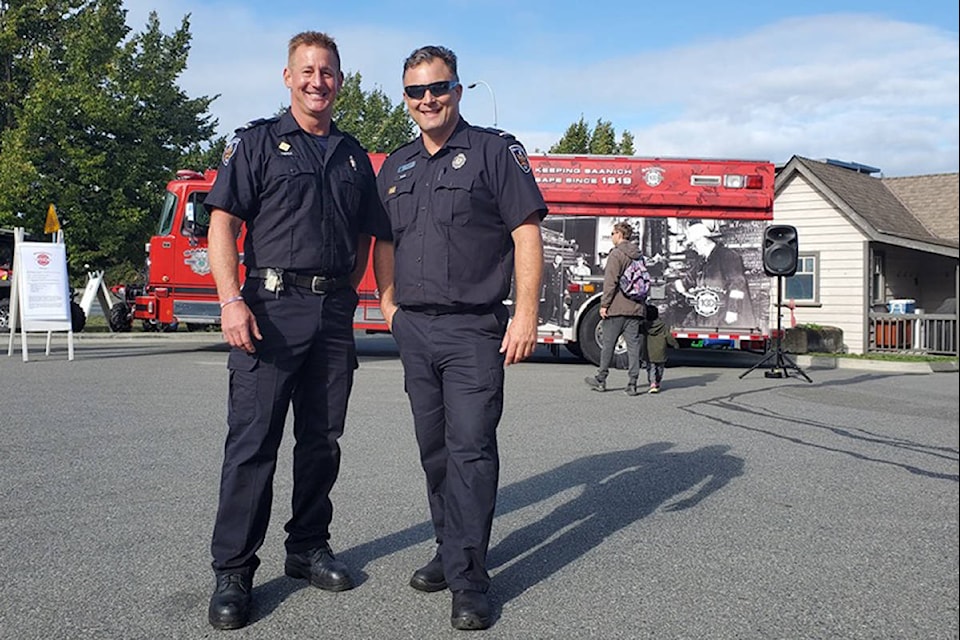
[
  {"x": 631, "y": 389},
  {"x": 429, "y": 577},
  {"x": 595, "y": 383},
  {"x": 320, "y": 568},
  {"x": 231, "y": 602},
  {"x": 471, "y": 610}
]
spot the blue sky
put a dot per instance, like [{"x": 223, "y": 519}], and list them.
[{"x": 871, "y": 82}]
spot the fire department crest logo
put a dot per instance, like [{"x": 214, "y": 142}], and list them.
[
  {"x": 706, "y": 301},
  {"x": 520, "y": 155},
  {"x": 653, "y": 176},
  {"x": 229, "y": 150},
  {"x": 197, "y": 260}
]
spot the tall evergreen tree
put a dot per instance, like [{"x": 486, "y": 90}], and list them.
[
  {"x": 601, "y": 140},
  {"x": 626, "y": 144},
  {"x": 576, "y": 139}
]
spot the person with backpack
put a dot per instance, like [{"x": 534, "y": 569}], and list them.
[{"x": 621, "y": 315}]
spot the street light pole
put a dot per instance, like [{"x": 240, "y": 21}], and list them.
[{"x": 492, "y": 97}]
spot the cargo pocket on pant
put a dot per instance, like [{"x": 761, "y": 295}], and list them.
[{"x": 243, "y": 368}]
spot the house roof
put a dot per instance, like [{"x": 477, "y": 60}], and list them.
[
  {"x": 918, "y": 211},
  {"x": 933, "y": 199}
]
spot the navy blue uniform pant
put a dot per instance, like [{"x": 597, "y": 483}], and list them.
[
  {"x": 307, "y": 358},
  {"x": 453, "y": 375}
]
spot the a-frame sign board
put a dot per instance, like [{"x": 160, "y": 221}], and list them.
[{"x": 40, "y": 295}]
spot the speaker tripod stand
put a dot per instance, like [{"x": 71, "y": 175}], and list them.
[{"x": 782, "y": 364}]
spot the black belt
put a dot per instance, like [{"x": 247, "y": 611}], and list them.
[
  {"x": 316, "y": 284},
  {"x": 442, "y": 310}
]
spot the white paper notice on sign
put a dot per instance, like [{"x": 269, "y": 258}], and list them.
[{"x": 45, "y": 286}]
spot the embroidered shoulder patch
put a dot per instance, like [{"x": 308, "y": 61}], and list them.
[
  {"x": 520, "y": 155},
  {"x": 229, "y": 150}
]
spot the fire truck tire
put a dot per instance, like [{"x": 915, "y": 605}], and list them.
[
  {"x": 5, "y": 315},
  {"x": 574, "y": 348},
  {"x": 78, "y": 319},
  {"x": 590, "y": 334},
  {"x": 152, "y": 326},
  {"x": 120, "y": 319}
]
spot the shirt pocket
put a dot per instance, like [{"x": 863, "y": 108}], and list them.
[
  {"x": 347, "y": 185},
  {"x": 300, "y": 182},
  {"x": 401, "y": 206},
  {"x": 451, "y": 198}
]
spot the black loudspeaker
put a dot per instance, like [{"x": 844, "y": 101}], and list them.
[{"x": 780, "y": 250}]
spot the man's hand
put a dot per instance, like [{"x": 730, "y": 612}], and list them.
[
  {"x": 604, "y": 312},
  {"x": 388, "y": 310},
  {"x": 520, "y": 340},
  {"x": 239, "y": 326}
]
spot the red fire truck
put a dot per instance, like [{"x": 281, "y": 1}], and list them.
[{"x": 700, "y": 223}]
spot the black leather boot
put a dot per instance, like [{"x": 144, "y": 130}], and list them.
[
  {"x": 429, "y": 577},
  {"x": 471, "y": 610},
  {"x": 231, "y": 601},
  {"x": 320, "y": 567}
]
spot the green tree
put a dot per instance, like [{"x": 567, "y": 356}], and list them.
[
  {"x": 98, "y": 125},
  {"x": 626, "y": 144},
  {"x": 602, "y": 139},
  {"x": 203, "y": 155},
  {"x": 376, "y": 122},
  {"x": 576, "y": 139}
]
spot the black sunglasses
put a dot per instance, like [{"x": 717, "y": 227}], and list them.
[{"x": 436, "y": 89}]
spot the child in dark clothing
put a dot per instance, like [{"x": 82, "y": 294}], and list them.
[{"x": 658, "y": 337}]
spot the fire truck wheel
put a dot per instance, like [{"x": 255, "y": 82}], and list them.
[
  {"x": 78, "y": 319},
  {"x": 574, "y": 348},
  {"x": 590, "y": 335},
  {"x": 5, "y": 314},
  {"x": 120, "y": 320},
  {"x": 152, "y": 326}
]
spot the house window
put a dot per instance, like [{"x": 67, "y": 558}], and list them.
[
  {"x": 802, "y": 286},
  {"x": 878, "y": 285}
]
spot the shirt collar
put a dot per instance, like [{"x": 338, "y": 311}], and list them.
[
  {"x": 459, "y": 139},
  {"x": 288, "y": 125}
]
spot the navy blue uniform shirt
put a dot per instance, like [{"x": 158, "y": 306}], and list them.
[
  {"x": 304, "y": 203},
  {"x": 452, "y": 216}
]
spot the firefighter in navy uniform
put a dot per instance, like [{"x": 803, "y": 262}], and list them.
[
  {"x": 306, "y": 193},
  {"x": 465, "y": 212}
]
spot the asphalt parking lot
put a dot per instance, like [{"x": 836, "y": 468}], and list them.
[{"x": 726, "y": 507}]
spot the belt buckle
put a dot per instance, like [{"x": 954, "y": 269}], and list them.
[{"x": 318, "y": 285}]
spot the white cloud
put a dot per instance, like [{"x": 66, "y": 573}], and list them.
[{"x": 853, "y": 87}]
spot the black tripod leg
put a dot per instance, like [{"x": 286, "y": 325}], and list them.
[
  {"x": 761, "y": 362},
  {"x": 787, "y": 363}
]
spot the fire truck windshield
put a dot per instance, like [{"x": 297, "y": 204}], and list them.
[{"x": 166, "y": 214}]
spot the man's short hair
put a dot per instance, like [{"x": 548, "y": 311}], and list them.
[
  {"x": 313, "y": 39},
  {"x": 625, "y": 229},
  {"x": 430, "y": 53}
]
